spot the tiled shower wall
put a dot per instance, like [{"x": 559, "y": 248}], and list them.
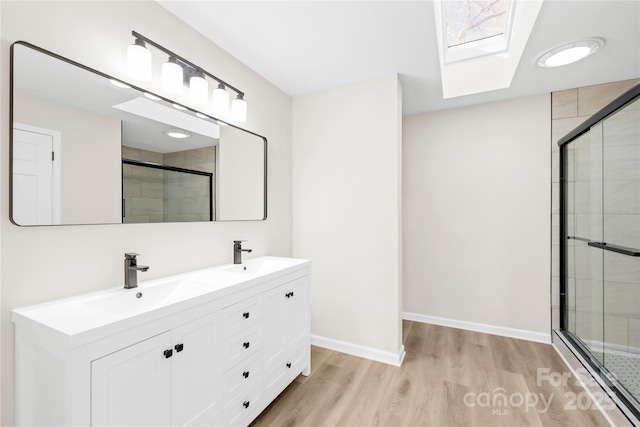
[
  {"x": 569, "y": 109},
  {"x": 149, "y": 197}
]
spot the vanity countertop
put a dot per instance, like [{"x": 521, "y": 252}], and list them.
[{"x": 88, "y": 317}]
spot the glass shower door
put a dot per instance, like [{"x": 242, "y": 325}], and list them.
[
  {"x": 584, "y": 224},
  {"x": 621, "y": 234}
]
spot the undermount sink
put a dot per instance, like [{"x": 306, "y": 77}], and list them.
[
  {"x": 127, "y": 300},
  {"x": 259, "y": 266}
]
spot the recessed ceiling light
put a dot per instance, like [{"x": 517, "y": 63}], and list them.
[
  {"x": 177, "y": 134},
  {"x": 569, "y": 53},
  {"x": 118, "y": 83},
  {"x": 151, "y": 96},
  {"x": 179, "y": 107}
]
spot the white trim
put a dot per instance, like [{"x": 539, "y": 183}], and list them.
[
  {"x": 359, "y": 350},
  {"x": 480, "y": 327},
  {"x": 56, "y": 138}
]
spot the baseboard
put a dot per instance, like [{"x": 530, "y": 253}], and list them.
[
  {"x": 370, "y": 353},
  {"x": 480, "y": 327}
]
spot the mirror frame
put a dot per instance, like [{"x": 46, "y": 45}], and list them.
[{"x": 100, "y": 73}]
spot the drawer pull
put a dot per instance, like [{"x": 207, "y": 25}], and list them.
[
  {"x": 246, "y": 404},
  {"x": 289, "y": 365},
  {"x": 168, "y": 353},
  {"x": 245, "y": 374},
  {"x": 179, "y": 347},
  {"x": 245, "y": 315},
  {"x": 246, "y": 344}
]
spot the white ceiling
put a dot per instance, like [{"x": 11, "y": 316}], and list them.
[{"x": 306, "y": 46}]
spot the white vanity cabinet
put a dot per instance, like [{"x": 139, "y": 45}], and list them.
[
  {"x": 216, "y": 356},
  {"x": 168, "y": 379}
]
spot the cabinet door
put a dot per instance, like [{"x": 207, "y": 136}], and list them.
[
  {"x": 195, "y": 371},
  {"x": 286, "y": 322},
  {"x": 132, "y": 386},
  {"x": 297, "y": 313}
]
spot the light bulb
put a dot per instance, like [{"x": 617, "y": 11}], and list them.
[
  {"x": 239, "y": 109},
  {"x": 198, "y": 89},
  {"x": 172, "y": 77},
  {"x": 139, "y": 61},
  {"x": 220, "y": 104}
]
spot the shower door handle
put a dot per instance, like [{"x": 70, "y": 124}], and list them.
[{"x": 615, "y": 248}]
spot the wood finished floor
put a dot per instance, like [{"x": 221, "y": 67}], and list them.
[{"x": 442, "y": 366}]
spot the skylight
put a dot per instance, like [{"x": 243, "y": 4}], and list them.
[
  {"x": 474, "y": 28},
  {"x": 470, "y": 21}
]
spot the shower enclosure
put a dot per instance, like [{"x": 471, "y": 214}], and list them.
[{"x": 600, "y": 247}]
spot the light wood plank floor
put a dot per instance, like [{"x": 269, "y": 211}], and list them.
[{"x": 450, "y": 377}]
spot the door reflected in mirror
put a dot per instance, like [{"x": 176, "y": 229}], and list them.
[{"x": 85, "y": 151}]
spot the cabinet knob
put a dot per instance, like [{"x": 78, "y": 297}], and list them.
[
  {"x": 168, "y": 353},
  {"x": 246, "y": 404},
  {"x": 289, "y": 365},
  {"x": 245, "y": 374},
  {"x": 246, "y": 345},
  {"x": 179, "y": 347},
  {"x": 245, "y": 315}
]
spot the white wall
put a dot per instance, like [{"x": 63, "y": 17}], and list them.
[
  {"x": 91, "y": 188},
  {"x": 239, "y": 178},
  {"x": 43, "y": 263},
  {"x": 476, "y": 206},
  {"x": 346, "y": 211}
]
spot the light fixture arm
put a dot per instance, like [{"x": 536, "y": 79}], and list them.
[{"x": 139, "y": 36}]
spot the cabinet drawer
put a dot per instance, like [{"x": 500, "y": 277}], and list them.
[
  {"x": 242, "y": 375},
  {"x": 241, "y": 346},
  {"x": 279, "y": 376},
  {"x": 242, "y": 409},
  {"x": 242, "y": 315}
]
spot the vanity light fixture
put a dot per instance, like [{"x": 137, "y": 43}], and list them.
[
  {"x": 198, "y": 89},
  {"x": 569, "y": 53},
  {"x": 177, "y": 72},
  {"x": 177, "y": 134},
  {"x": 239, "y": 109},
  {"x": 172, "y": 76},
  {"x": 139, "y": 61},
  {"x": 220, "y": 100}
]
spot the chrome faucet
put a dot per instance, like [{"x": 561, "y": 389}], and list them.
[
  {"x": 131, "y": 269},
  {"x": 237, "y": 251}
]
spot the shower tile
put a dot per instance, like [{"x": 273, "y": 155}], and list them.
[
  {"x": 131, "y": 188},
  {"x": 616, "y": 332},
  {"x": 634, "y": 335},
  {"x": 580, "y": 295},
  {"x": 622, "y": 128},
  {"x": 588, "y": 226},
  {"x": 622, "y": 230},
  {"x": 555, "y": 166},
  {"x": 622, "y": 197},
  {"x": 174, "y": 159},
  {"x": 151, "y": 157},
  {"x": 593, "y": 98},
  {"x": 561, "y": 127},
  {"x": 156, "y": 218},
  {"x": 130, "y": 153},
  {"x": 555, "y": 318},
  {"x": 154, "y": 190},
  {"x": 622, "y": 299},
  {"x": 147, "y": 174},
  {"x": 564, "y": 104},
  {"x": 145, "y": 206},
  {"x": 622, "y": 162},
  {"x": 621, "y": 268},
  {"x": 136, "y": 219},
  {"x": 555, "y": 292}
]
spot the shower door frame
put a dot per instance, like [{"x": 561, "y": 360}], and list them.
[{"x": 630, "y": 409}]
